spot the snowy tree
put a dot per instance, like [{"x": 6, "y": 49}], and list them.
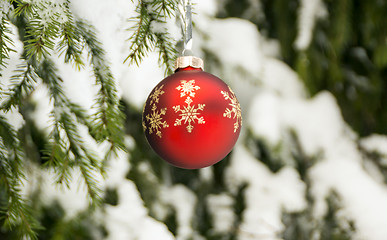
[{"x": 311, "y": 161}]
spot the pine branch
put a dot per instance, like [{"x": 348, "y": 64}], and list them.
[
  {"x": 47, "y": 72},
  {"x": 165, "y": 7},
  {"x": 108, "y": 119},
  {"x": 16, "y": 212},
  {"x": 46, "y": 21},
  {"x": 82, "y": 157},
  {"x": 106, "y": 124},
  {"x": 22, "y": 84},
  {"x": 6, "y": 42},
  {"x": 71, "y": 43},
  {"x": 40, "y": 38},
  {"x": 67, "y": 149},
  {"x": 167, "y": 52},
  {"x": 146, "y": 38},
  {"x": 57, "y": 157},
  {"x": 11, "y": 145},
  {"x": 23, "y": 8},
  {"x": 142, "y": 40}
]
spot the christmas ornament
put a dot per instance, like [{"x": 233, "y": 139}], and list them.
[{"x": 192, "y": 119}]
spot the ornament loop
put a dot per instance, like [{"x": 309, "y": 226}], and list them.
[
  {"x": 188, "y": 27},
  {"x": 185, "y": 9}
]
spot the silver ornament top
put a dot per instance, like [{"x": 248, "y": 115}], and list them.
[{"x": 189, "y": 61}]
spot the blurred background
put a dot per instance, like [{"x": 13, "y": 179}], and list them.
[{"x": 311, "y": 160}]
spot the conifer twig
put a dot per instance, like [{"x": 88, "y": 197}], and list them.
[
  {"x": 6, "y": 42},
  {"x": 145, "y": 38}
]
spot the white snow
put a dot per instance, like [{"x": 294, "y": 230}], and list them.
[
  {"x": 320, "y": 129},
  {"x": 139, "y": 81},
  {"x": 220, "y": 207},
  {"x": 203, "y": 9},
  {"x": 49, "y": 10},
  {"x": 278, "y": 104},
  {"x": 73, "y": 198},
  {"x": 271, "y": 115},
  {"x": 5, "y": 6},
  {"x": 43, "y": 108},
  {"x": 158, "y": 27},
  {"x": 375, "y": 143},
  {"x": 364, "y": 199},
  {"x": 183, "y": 200},
  {"x": 129, "y": 219},
  {"x": 310, "y": 12},
  {"x": 266, "y": 195},
  {"x": 240, "y": 43}
]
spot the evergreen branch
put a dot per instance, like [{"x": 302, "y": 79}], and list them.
[
  {"x": 145, "y": 38},
  {"x": 167, "y": 51},
  {"x": 16, "y": 213},
  {"x": 19, "y": 215},
  {"x": 61, "y": 162},
  {"x": 11, "y": 142},
  {"x": 7, "y": 134},
  {"x": 22, "y": 83},
  {"x": 88, "y": 173},
  {"x": 142, "y": 40},
  {"x": 83, "y": 157},
  {"x": 70, "y": 43},
  {"x": 80, "y": 114},
  {"x": 6, "y": 42},
  {"x": 40, "y": 38},
  {"x": 47, "y": 72},
  {"x": 56, "y": 153},
  {"x": 166, "y": 7},
  {"x": 23, "y": 8},
  {"x": 62, "y": 154},
  {"x": 43, "y": 27},
  {"x": 108, "y": 120},
  {"x": 67, "y": 149}
]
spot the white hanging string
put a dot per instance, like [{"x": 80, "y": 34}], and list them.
[{"x": 186, "y": 19}]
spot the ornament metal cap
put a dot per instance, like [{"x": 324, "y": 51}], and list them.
[{"x": 189, "y": 61}]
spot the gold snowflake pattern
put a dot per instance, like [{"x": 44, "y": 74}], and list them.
[
  {"x": 143, "y": 123},
  {"x": 156, "y": 121},
  {"x": 235, "y": 111},
  {"x": 189, "y": 114},
  {"x": 143, "y": 126},
  {"x": 154, "y": 98},
  {"x": 187, "y": 88}
]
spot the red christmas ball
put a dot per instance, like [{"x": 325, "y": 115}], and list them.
[{"x": 192, "y": 119}]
